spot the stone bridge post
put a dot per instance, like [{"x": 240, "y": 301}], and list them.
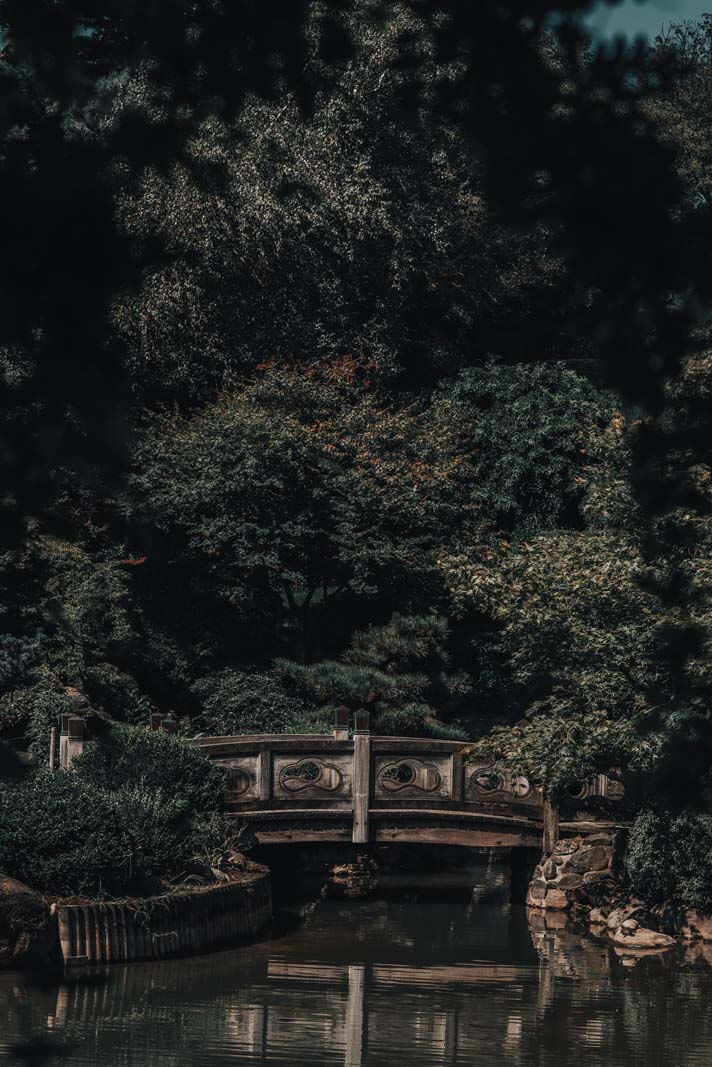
[
  {"x": 71, "y": 741},
  {"x": 551, "y": 826},
  {"x": 341, "y": 723},
  {"x": 362, "y": 777}
]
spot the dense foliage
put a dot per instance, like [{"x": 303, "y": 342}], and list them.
[
  {"x": 139, "y": 807},
  {"x": 154, "y": 761},
  {"x": 344, "y": 361},
  {"x": 669, "y": 855},
  {"x": 66, "y": 835}
]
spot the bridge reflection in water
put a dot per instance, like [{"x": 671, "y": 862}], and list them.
[{"x": 448, "y": 982}]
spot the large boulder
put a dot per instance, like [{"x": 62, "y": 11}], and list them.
[
  {"x": 640, "y": 939},
  {"x": 28, "y": 932}
]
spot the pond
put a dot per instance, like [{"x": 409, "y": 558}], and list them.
[{"x": 450, "y": 974}]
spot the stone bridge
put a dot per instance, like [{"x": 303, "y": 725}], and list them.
[{"x": 324, "y": 788}]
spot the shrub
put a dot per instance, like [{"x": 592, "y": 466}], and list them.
[
  {"x": 63, "y": 834},
  {"x": 242, "y": 702},
  {"x": 670, "y": 856},
  {"x": 31, "y": 711},
  {"x": 135, "y": 756}
]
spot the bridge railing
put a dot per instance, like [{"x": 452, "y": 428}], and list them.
[{"x": 354, "y": 785}]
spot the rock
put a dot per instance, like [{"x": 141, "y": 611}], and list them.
[
  {"x": 601, "y": 894},
  {"x": 28, "y": 933},
  {"x": 565, "y": 848},
  {"x": 599, "y": 839},
  {"x": 640, "y": 913},
  {"x": 353, "y": 880},
  {"x": 593, "y": 877},
  {"x": 537, "y": 892},
  {"x": 220, "y": 876},
  {"x": 556, "y": 920},
  {"x": 595, "y": 858},
  {"x": 641, "y": 939},
  {"x": 596, "y": 917},
  {"x": 236, "y": 859},
  {"x": 623, "y": 912},
  {"x": 629, "y": 925},
  {"x": 695, "y": 927},
  {"x": 569, "y": 880},
  {"x": 556, "y": 899},
  {"x": 616, "y": 917},
  {"x": 580, "y": 869},
  {"x": 548, "y": 871}
]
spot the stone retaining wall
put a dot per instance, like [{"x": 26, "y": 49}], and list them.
[
  {"x": 580, "y": 870},
  {"x": 158, "y": 927}
]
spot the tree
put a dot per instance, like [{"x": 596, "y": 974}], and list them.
[
  {"x": 400, "y": 672},
  {"x": 70, "y": 141},
  {"x": 364, "y": 232},
  {"x": 294, "y": 507},
  {"x": 606, "y": 642}
]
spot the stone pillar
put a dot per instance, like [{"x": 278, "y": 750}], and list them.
[
  {"x": 361, "y": 777},
  {"x": 63, "y": 740},
  {"x": 551, "y": 826},
  {"x": 156, "y": 720},
  {"x": 264, "y": 773},
  {"x": 341, "y": 723},
  {"x": 75, "y": 739},
  {"x": 53, "y": 748},
  {"x": 169, "y": 724},
  {"x": 456, "y": 786}
]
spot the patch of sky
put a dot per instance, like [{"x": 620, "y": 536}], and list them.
[{"x": 635, "y": 18}]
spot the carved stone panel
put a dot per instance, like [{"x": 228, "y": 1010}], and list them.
[
  {"x": 487, "y": 783},
  {"x": 598, "y": 785},
  {"x": 312, "y": 777},
  {"x": 411, "y": 777},
  {"x": 613, "y": 788},
  {"x": 241, "y": 777}
]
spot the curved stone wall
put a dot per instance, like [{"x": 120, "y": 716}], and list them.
[{"x": 158, "y": 927}]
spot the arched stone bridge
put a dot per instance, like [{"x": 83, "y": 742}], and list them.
[{"x": 302, "y": 788}]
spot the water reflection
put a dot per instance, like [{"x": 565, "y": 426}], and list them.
[{"x": 465, "y": 980}]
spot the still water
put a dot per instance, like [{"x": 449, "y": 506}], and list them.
[{"x": 458, "y": 977}]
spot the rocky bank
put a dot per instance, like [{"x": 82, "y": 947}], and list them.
[{"x": 583, "y": 875}]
